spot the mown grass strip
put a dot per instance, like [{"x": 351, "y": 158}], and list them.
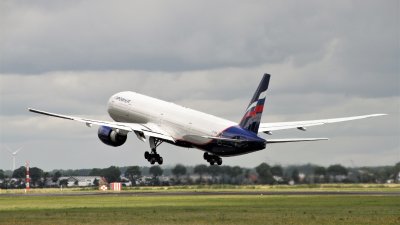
[{"x": 200, "y": 210}]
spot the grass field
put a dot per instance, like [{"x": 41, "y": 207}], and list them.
[{"x": 113, "y": 209}]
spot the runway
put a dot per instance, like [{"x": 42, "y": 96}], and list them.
[{"x": 213, "y": 193}]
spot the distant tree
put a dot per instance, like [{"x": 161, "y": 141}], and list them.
[
  {"x": 277, "y": 171},
  {"x": 133, "y": 173},
  {"x": 19, "y": 173},
  {"x": 247, "y": 173},
  {"x": 64, "y": 183},
  {"x": 319, "y": 172},
  {"x": 3, "y": 184},
  {"x": 200, "y": 170},
  {"x": 366, "y": 176},
  {"x": 36, "y": 174},
  {"x": 384, "y": 173},
  {"x": 295, "y": 176},
  {"x": 396, "y": 170},
  {"x": 178, "y": 171},
  {"x": 112, "y": 174},
  {"x": 336, "y": 170},
  {"x": 264, "y": 174},
  {"x": 56, "y": 176},
  {"x": 236, "y": 173},
  {"x": 226, "y": 172},
  {"x": 96, "y": 182},
  {"x": 96, "y": 172},
  {"x": 46, "y": 175},
  {"x": 214, "y": 171},
  {"x": 156, "y": 171}
]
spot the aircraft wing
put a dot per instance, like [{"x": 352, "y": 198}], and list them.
[
  {"x": 148, "y": 129},
  {"x": 301, "y": 125}
]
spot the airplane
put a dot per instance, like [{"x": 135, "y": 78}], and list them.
[{"x": 167, "y": 122}]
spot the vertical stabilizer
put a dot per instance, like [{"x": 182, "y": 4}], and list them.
[{"x": 252, "y": 118}]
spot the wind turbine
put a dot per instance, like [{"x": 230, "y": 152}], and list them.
[{"x": 14, "y": 155}]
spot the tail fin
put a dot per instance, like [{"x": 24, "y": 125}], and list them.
[{"x": 252, "y": 118}]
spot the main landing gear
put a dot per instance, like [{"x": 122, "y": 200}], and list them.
[
  {"x": 153, "y": 156},
  {"x": 212, "y": 159}
]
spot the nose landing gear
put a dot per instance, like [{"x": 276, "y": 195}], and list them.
[{"x": 212, "y": 159}]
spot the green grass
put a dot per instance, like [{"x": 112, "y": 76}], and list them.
[{"x": 110, "y": 209}]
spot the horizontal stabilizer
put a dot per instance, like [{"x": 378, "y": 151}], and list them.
[{"x": 274, "y": 141}]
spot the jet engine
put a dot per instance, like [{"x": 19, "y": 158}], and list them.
[{"x": 111, "y": 137}]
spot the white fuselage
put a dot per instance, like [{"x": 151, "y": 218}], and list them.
[{"x": 177, "y": 120}]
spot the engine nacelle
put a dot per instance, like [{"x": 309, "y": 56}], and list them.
[{"x": 110, "y": 137}]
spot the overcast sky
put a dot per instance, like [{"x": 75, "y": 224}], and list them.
[{"x": 327, "y": 59}]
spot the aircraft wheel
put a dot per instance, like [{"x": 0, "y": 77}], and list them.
[
  {"x": 212, "y": 162},
  {"x": 147, "y": 155},
  {"x": 160, "y": 160},
  {"x": 206, "y": 156},
  {"x": 152, "y": 161},
  {"x": 219, "y": 161}
]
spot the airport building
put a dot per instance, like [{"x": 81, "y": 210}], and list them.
[{"x": 80, "y": 181}]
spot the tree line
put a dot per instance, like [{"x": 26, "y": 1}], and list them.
[{"x": 204, "y": 174}]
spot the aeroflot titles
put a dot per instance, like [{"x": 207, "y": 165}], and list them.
[{"x": 121, "y": 99}]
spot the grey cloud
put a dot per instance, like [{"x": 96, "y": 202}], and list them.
[{"x": 180, "y": 35}]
